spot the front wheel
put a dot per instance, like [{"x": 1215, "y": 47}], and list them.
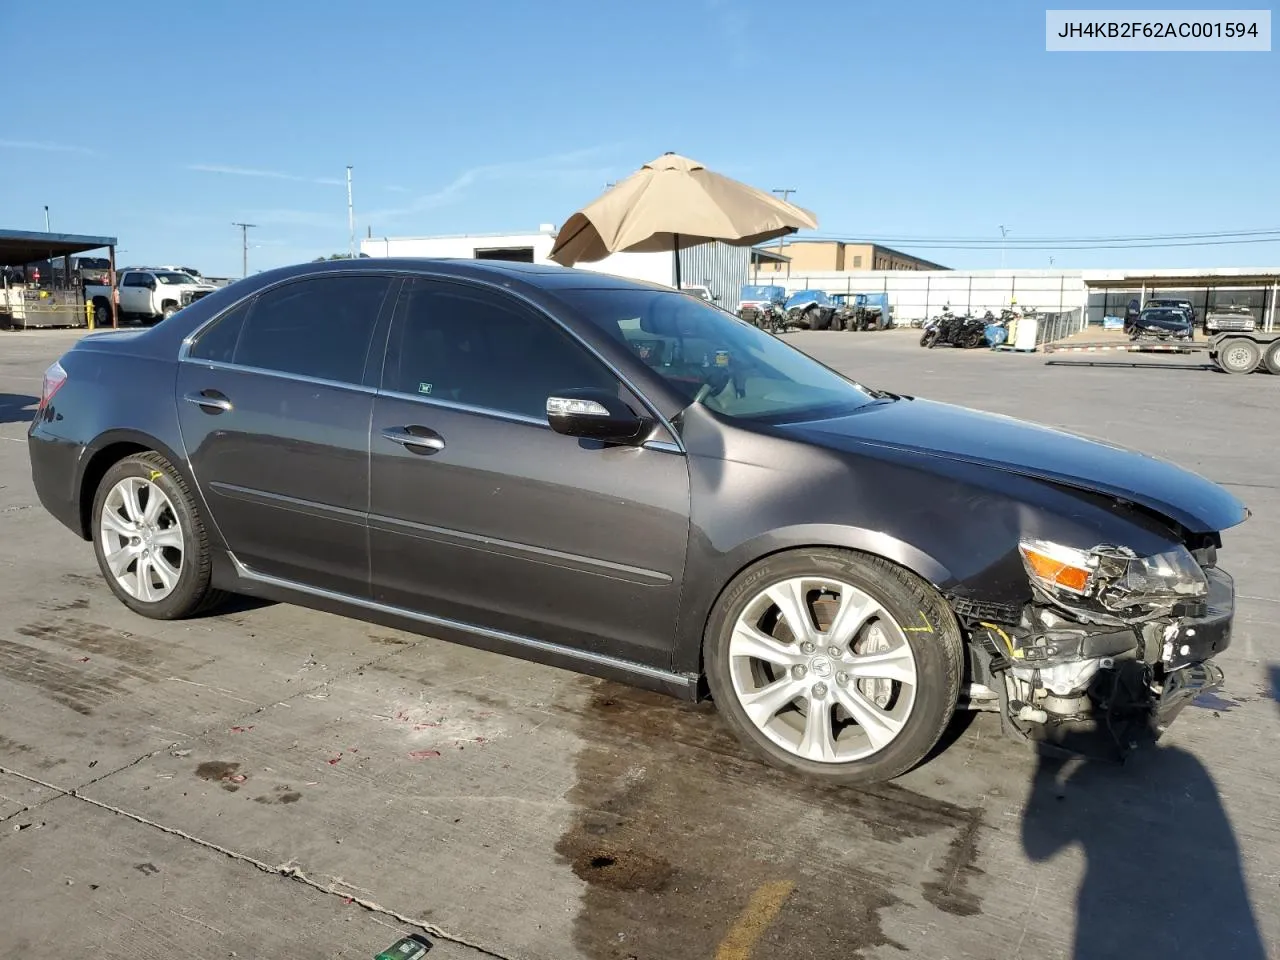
[
  {"x": 929, "y": 338},
  {"x": 150, "y": 541},
  {"x": 837, "y": 665}
]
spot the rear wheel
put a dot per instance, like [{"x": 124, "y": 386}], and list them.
[
  {"x": 1271, "y": 359},
  {"x": 150, "y": 540},
  {"x": 1239, "y": 356},
  {"x": 837, "y": 665}
]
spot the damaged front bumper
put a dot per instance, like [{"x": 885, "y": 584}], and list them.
[{"x": 1052, "y": 669}]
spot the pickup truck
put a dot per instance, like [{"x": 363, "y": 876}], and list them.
[{"x": 146, "y": 295}]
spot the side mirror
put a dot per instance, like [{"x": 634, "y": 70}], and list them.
[
  {"x": 151, "y": 284},
  {"x": 595, "y": 415}
]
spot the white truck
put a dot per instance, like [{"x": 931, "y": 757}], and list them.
[{"x": 146, "y": 294}]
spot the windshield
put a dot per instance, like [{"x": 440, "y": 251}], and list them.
[
  {"x": 809, "y": 296},
  {"x": 173, "y": 278},
  {"x": 762, "y": 294},
  {"x": 710, "y": 356}
]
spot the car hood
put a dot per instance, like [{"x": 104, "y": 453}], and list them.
[
  {"x": 1031, "y": 450},
  {"x": 1161, "y": 324}
]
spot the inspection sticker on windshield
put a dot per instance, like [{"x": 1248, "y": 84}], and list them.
[{"x": 424, "y": 388}]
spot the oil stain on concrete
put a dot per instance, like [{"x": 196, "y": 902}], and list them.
[{"x": 676, "y": 830}]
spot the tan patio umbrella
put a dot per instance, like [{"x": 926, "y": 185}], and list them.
[{"x": 671, "y": 203}]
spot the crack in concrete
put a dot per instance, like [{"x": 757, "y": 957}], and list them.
[{"x": 289, "y": 869}]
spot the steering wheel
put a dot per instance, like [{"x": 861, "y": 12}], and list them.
[{"x": 715, "y": 381}]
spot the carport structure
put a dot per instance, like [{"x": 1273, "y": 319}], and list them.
[
  {"x": 1257, "y": 288},
  {"x": 21, "y": 247}
]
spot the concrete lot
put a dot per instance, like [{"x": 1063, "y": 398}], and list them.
[{"x": 278, "y": 782}]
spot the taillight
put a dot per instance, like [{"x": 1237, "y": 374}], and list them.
[{"x": 54, "y": 378}]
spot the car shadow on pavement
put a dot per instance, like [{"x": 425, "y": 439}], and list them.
[
  {"x": 1162, "y": 867},
  {"x": 14, "y": 408},
  {"x": 1133, "y": 365}
]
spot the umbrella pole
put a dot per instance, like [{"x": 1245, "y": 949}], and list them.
[{"x": 676, "y": 241}]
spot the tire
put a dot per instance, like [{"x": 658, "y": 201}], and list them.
[
  {"x": 101, "y": 313},
  {"x": 1239, "y": 356},
  {"x": 911, "y": 622},
  {"x": 168, "y": 311},
  {"x": 190, "y": 592},
  {"x": 929, "y": 338},
  {"x": 1271, "y": 359},
  {"x": 973, "y": 340}
]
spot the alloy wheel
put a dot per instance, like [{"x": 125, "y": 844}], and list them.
[
  {"x": 141, "y": 539},
  {"x": 822, "y": 669}
]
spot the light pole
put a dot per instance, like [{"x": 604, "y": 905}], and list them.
[
  {"x": 351, "y": 215},
  {"x": 244, "y": 244},
  {"x": 46, "y": 219},
  {"x": 1003, "y": 233}
]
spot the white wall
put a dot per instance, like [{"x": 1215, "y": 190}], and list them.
[
  {"x": 464, "y": 247},
  {"x": 653, "y": 267},
  {"x": 923, "y": 293}
]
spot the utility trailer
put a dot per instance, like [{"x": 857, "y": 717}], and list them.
[{"x": 1230, "y": 352}]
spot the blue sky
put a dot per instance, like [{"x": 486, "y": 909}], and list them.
[{"x": 930, "y": 119}]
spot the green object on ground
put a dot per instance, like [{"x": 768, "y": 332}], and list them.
[{"x": 412, "y": 947}]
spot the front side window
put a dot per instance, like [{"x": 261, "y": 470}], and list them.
[
  {"x": 484, "y": 349},
  {"x": 711, "y": 357},
  {"x": 320, "y": 327}
]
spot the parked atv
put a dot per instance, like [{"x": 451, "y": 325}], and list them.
[{"x": 809, "y": 310}]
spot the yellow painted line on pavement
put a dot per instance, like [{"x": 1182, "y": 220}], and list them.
[{"x": 754, "y": 920}]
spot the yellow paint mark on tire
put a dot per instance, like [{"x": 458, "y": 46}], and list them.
[
  {"x": 754, "y": 920},
  {"x": 156, "y": 475},
  {"x": 925, "y": 625}
]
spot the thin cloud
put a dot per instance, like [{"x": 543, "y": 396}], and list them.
[
  {"x": 266, "y": 174},
  {"x": 47, "y": 146},
  {"x": 395, "y": 188},
  {"x": 572, "y": 166},
  {"x": 732, "y": 24}
]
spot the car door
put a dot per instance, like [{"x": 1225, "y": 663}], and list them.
[
  {"x": 274, "y": 403},
  {"x": 135, "y": 296},
  {"x": 481, "y": 514}
]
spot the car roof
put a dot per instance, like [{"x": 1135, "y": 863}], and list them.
[{"x": 539, "y": 275}]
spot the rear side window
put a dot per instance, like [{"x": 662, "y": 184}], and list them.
[
  {"x": 319, "y": 328},
  {"x": 218, "y": 341}
]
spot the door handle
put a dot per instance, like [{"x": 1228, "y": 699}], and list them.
[
  {"x": 420, "y": 440},
  {"x": 210, "y": 401}
]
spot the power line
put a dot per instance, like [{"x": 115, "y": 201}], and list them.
[
  {"x": 1004, "y": 239},
  {"x": 1059, "y": 246}
]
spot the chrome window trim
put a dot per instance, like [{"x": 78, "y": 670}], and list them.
[
  {"x": 466, "y": 408},
  {"x": 428, "y": 619},
  {"x": 184, "y": 348},
  {"x": 285, "y": 375}
]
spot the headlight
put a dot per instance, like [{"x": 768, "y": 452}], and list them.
[{"x": 1113, "y": 581}]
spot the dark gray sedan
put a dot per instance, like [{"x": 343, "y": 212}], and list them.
[{"x": 623, "y": 480}]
